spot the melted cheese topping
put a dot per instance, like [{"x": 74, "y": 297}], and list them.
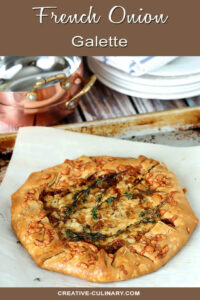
[{"x": 108, "y": 209}]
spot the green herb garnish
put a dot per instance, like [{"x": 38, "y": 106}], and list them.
[
  {"x": 128, "y": 195},
  {"x": 75, "y": 196},
  {"x": 110, "y": 200},
  {"x": 73, "y": 235},
  {"x": 94, "y": 213},
  {"x": 119, "y": 231},
  {"x": 142, "y": 213},
  {"x": 148, "y": 220},
  {"x": 98, "y": 199},
  {"x": 99, "y": 181},
  {"x": 150, "y": 192},
  {"x": 87, "y": 191},
  {"x": 68, "y": 211},
  {"x": 94, "y": 236},
  {"x": 37, "y": 279}
]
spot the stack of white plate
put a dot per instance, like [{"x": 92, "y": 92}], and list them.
[{"x": 178, "y": 79}]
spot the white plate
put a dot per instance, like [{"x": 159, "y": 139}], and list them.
[
  {"x": 145, "y": 79},
  {"x": 140, "y": 94},
  {"x": 122, "y": 87},
  {"x": 156, "y": 91},
  {"x": 147, "y": 88},
  {"x": 183, "y": 65}
]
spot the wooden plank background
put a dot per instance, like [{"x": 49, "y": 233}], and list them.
[{"x": 102, "y": 103}]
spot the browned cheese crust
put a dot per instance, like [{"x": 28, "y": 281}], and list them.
[{"x": 102, "y": 218}]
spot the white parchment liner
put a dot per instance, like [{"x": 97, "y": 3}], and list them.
[{"x": 38, "y": 148}]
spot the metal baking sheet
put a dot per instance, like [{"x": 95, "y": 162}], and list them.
[
  {"x": 35, "y": 143},
  {"x": 134, "y": 127},
  {"x": 181, "y": 138},
  {"x": 177, "y": 127}
]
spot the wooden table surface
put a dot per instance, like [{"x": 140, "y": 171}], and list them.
[{"x": 103, "y": 103}]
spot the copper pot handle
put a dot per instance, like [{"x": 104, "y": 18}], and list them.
[
  {"x": 65, "y": 83},
  {"x": 89, "y": 82}
]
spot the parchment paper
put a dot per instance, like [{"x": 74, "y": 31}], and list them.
[{"x": 38, "y": 148}]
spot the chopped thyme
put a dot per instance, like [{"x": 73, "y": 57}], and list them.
[
  {"x": 94, "y": 213},
  {"x": 153, "y": 213},
  {"x": 142, "y": 213},
  {"x": 98, "y": 199},
  {"x": 91, "y": 236},
  {"x": 96, "y": 192},
  {"x": 94, "y": 236},
  {"x": 106, "y": 179},
  {"x": 110, "y": 200},
  {"x": 68, "y": 211},
  {"x": 148, "y": 220},
  {"x": 150, "y": 192},
  {"x": 128, "y": 195},
  {"x": 87, "y": 191},
  {"x": 99, "y": 181},
  {"x": 37, "y": 279},
  {"x": 73, "y": 235},
  {"x": 119, "y": 231},
  {"x": 75, "y": 196},
  {"x": 123, "y": 230}
]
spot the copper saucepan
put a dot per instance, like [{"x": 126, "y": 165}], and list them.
[{"x": 32, "y": 95}]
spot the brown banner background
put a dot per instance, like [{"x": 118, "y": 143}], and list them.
[
  {"x": 21, "y": 33},
  {"x": 145, "y": 293}
]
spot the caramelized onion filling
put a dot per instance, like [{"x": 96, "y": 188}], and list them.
[{"x": 109, "y": 211}]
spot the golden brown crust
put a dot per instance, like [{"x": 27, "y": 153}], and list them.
[{"x": 161, "y": 227}]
